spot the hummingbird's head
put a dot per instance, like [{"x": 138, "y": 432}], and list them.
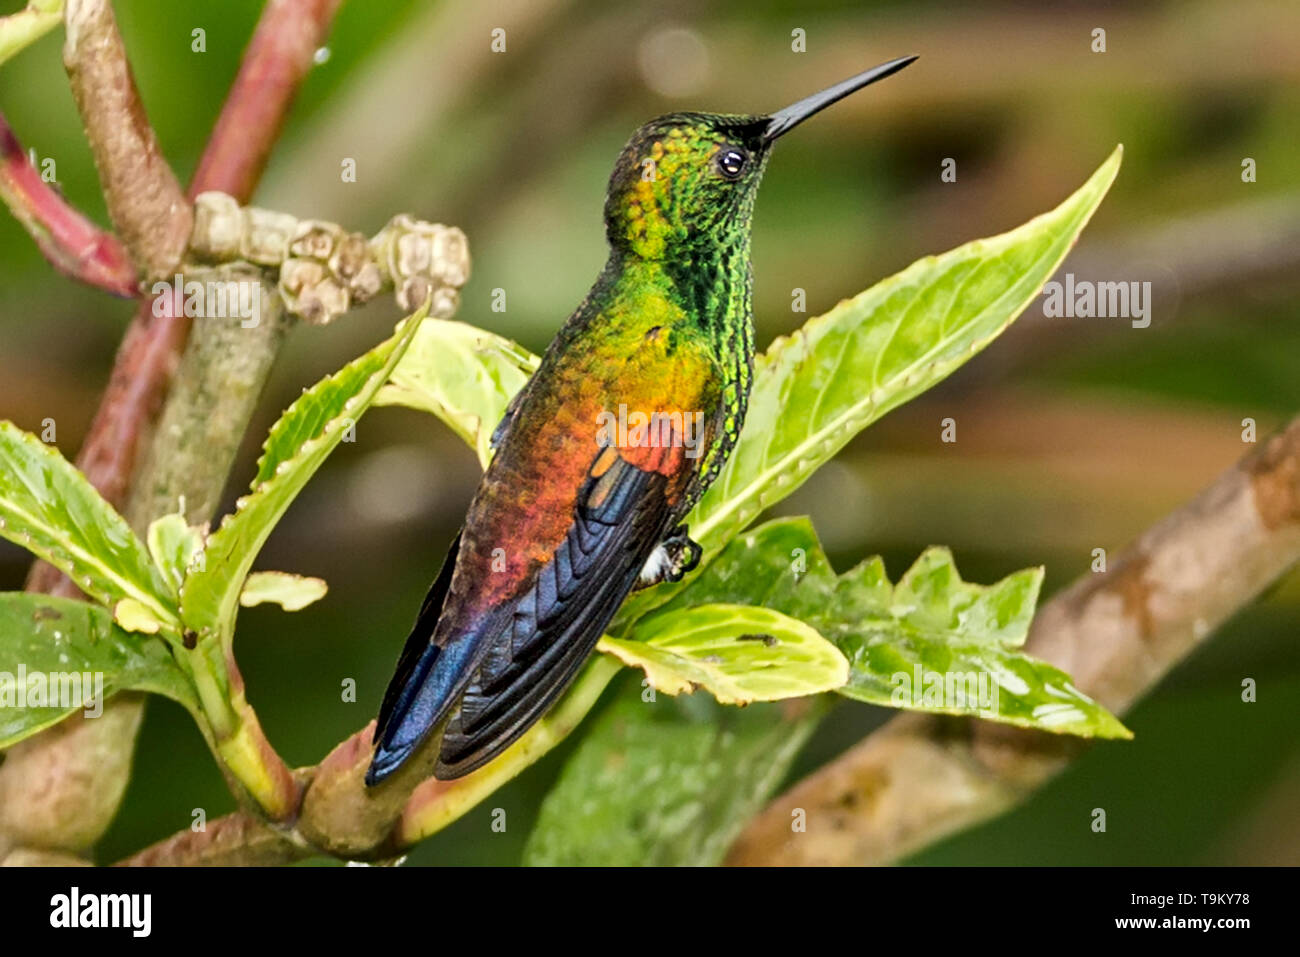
[
  {"x": 683, "y": 180},
  {"x": 687, "y": 180}
]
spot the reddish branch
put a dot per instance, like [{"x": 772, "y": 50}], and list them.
[
  {"x": 236, "y": 839},
  {"x": 72, "y": 243},
  {"x": 278, "y": 57},
  {"x": 140, "y": 189}
]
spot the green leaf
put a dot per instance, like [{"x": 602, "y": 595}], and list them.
[
  {"x": 57, "y": 638},
  {"x": 816, "y": 389},
  {"x": 667, "y": 782},
  {"x": 49, "y": 508},
  {"x": 967, "y": 635},
  {"x": 463, "y": 375},
  {"x": 174, "y": 544},
  {"x": 20, "y": 30},
  {"x": 738, "y": 653},
  {"x": 295, "y": 448},
  {"x": 813, "y": 391},
  {"x": 939, "y": 644},
  {"x": 130, "y": 615},
  {"x": 290, "y": 592},
  {"x": 931, "y": 597}
]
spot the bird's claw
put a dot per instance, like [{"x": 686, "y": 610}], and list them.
[
  {"x": 684, "y": 554},
  {"x": 671, "y": 560}
]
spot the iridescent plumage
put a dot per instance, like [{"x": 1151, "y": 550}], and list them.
[{"x": 637, "y": 403}]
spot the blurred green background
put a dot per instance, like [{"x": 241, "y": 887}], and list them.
[{"x": 1072, "y": 433}]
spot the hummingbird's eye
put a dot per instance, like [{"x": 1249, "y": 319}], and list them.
[{"x": 731, "y": 162}]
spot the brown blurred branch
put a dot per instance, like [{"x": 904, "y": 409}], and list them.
[
  {"x": 922, "y": 777},
  {"x": 342, "y": 817},
  {"x": 237, "y": 839},
  {"x": 72, "y": 243},
  {"x": 144, "y": 199},
  {"x": 1220, "y": 250}
]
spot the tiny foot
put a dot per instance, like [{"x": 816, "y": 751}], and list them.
[{"x": 671, "y": 560}]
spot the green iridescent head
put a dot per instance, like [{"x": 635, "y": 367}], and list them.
[
  {"x": 681, "y": 180},
  {"x": 686, "y": 181}
]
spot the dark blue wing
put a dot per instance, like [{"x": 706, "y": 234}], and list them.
[
  {"x": 518, "y": 660},
  {"x": 622, "y": 516}
]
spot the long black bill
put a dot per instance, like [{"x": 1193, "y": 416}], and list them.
[{"x": 783, "y": 121}]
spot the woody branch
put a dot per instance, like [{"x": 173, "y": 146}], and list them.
[
  {"x": 60, "y": 789},
  {"x": 922, "y": 777}
]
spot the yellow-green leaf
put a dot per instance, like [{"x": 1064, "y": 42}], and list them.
[
  {"x": 932, "y": 642},
  {"x": 739, "y": 653},
  {"x": 290, "y": 592},
  {"x": 463, "y": 375},
  {"x": 174, "y": 544},
  {"x": 815, "y": 390},
  {"x": 50, "y": 509},
  {"x": 130, "y": 615},
  {"x": 297, "y": 446},
  {"x": 23, "y": 28}
]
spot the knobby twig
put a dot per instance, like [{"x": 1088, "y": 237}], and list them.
[
  {"x": 249, "y": 123},
  {"x": 325, "y": 270},
  {"x": 77, "y": 767},
  {"x": 144, "y": 200},
  {"x": 72, "y": 243},
  {"x": 921, "y": 777}
]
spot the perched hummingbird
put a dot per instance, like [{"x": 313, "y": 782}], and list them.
[{"x": 636, "y": 405}]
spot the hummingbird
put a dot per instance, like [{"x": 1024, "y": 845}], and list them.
[{"x": 634, "y": 409}]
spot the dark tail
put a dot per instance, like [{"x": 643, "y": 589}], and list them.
[
  {"x": 419, "y": 695},
  {"x": 511, "y": 664}
]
